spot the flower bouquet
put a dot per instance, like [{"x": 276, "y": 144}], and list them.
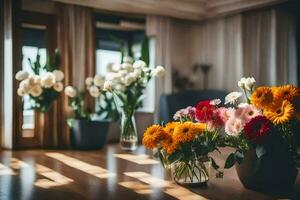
[
  {"x": 263, "y": 134},
  {"x": 127, "y": 82},
  {"x": 43, "y": 86},
  {"x": 184, "y": 147}
]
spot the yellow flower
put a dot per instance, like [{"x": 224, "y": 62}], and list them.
[
  {"x": 170, "y": 145},
  {"x": 186, "y": 132},
  {"x": 280, "y": 112},
  {"x": 153, "y": 136},
  {"x": 262, "y": 97},
  {"x": 170, "y": 127},
  {"x": 286, "y": 92}
]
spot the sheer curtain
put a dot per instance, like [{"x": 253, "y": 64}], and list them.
[{"x": 76, "y": 45}]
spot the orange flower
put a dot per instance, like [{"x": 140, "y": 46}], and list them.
[
  {"x": 170, "y": 127},
  {"x": 153, "y": 136},
  {"x": 280, "y": 112},
  {"x": 170, "y": 145},
  {"x": 286, "y": 92},
  {"x": 262, "y": 97},
  {"x": 186, "y": 132}
]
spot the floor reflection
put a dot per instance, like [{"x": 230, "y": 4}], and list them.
[
  {"x": 6, "y": 170},
  {"x": 93, "y": 170},
  {"x": 140, "y": 159}
]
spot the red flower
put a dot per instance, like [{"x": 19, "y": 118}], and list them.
[
  {"x": 257, "y": 128},
  {"x": 204, "y": 111}
]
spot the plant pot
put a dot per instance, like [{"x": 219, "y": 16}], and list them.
[
  {"x": 192, "y": 173},
  {"x": 88, "y": 135},
  {"x": 274, "y": 173}
]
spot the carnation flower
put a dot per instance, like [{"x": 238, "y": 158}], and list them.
[
  {"x": 204, "y": 111},
  {"x": 70, "y": 91},
  {"x": 232, "y": 97},
  {"x": 159, "y": 71},
  {"x": 99, "y": 80},
  {"x": 59, "y": 75},
  {"x": 48, "y": 80},
  {"x": 89, "y": 81},
  {"x": 223, "y": 114},
  {"x": 58, "y": 87},
  {"x": 186, "y": 113},
  {"x": 21, "y": 75},
  {"x": 139, "y": 64},
  {"x": 234, "y": 126},
  {"x": 257, "y": 128}
]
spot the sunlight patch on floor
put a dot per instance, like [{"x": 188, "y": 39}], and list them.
[
  {"x": 56, "y": 179},
  {"x": 93, "y": 170},
  {"x": 5, "y": 170},
  {"x": 17, "y": 164},
  {"x": 167, "y": 187},
  {"x": 140, "y": 159},
  {"x": 137, "y": 187}
]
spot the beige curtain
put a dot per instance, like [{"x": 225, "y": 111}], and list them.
[{"x": 77, "y": 47}]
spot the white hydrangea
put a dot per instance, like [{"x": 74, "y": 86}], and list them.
[
  {"x": 94, "y": 91},
  {"x": 99, "y": 80},
  {"x": 159, "y": 71},
  {"x": 89, "y": 81},
  {"x": 21, "y": 75},
  {"x": 58, "y": 87},
  {"x": 48, "y": 80},
  {"x": 70, "y": 91},
  {"x": 59, "y": 75}
]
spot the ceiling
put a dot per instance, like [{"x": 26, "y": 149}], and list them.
[{"x": 183, "y": 9}]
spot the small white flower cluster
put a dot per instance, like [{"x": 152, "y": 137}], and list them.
[
  {"x": 121, "y": 76},
  {"x": 247, "y": 83},
  {"x": 34, "y": 84},
  {"x": 70, "y": 91},
  {"x": 95, "y": 85}
]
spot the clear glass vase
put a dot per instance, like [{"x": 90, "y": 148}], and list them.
[
  {"x": 191, "y": 172},
  {"x": 129, "y": 137}
]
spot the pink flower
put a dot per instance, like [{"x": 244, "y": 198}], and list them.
[
  {"x": 186, "y": 113},
  {"x": 223, "y": 114},
  {"x": 234, "y": 126},
  {"x": 246, "y": 112}
]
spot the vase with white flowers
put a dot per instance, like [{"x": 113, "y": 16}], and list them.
[
  {"x": 85, "y": 132},
  {"x": 43, "y": 84},
  {"x": 127, "y": 82}
]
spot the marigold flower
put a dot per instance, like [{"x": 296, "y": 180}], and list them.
[
  {"x": 257, "y": 128},
  {"x": 280, "y": 112},
  {"x": 170, "y": 145},
  {"x": 170, "y": 127},
  {"x": 186, "y": 132},
  {"x": 262, "y": 97},
  {"x": 153, "y": 136},
  {"x": 286, "y": 92}
]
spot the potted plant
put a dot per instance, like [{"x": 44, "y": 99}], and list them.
[
  {"x": 43, "y": 84},
  {"x": 263, "y": 133},
  {"x": 184, "y": 147},
  {"x": 85, "y": 132}
]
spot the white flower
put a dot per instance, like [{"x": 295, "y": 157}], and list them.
[
  {"x": 21, "y": 92},
  {"x": 94, "y": 91},
  {"x": 48, "y": 80},
  {"x": 109, "y": 67},
  {"x": 128, "y": 67},
  {"x": 114, "y": 77},
  {"x": 59, "y": 75},
  {"x": 115, "y": 68},
  {"x": 25, "y": 86},
  {"x": 232, "y": 97},
  {"x": 36, "y": 90},
  {"x": 215, "y": 102},
  {"x": 99, "y": 80},
  {"x": 250, "y": 81},
  {"x": 58, "y": 87},
  {"x": 120, "y": 87},
  {"x": 31, "y": 80},
  {"x": 89, "y": 81},
  {"x": 137, "y": 72},
  {"x": 70, "y": 91},
  {"x": 37, "y": 80},
  {"x": 159, "y": 71},
  {"x": 21, "y": 75},
  {"x": 139, "y": 64},
  {"x": 122, "y": 73},
  {"x": 130, "y": 78},
  {"x": 127, "y": 59},
  {"x": 108, "y": 86},
  {"x": 241, "y": 83}
]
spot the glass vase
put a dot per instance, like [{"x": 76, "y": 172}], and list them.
[
  {"x": 129, "y": 137},
  {"x": 192, "y": 172}
]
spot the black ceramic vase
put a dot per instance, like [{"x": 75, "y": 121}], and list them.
[
  {"x": 88, "y": 135},
  {"x": 275, "y": 173}
]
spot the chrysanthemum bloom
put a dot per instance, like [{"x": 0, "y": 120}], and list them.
[
  {"x": 223, "y": 114},
  {"x": 186, "y": 132},
  {"x": 234, "y": 126},
  {"x": 247, "y": 112},
  {"x": 280, "y": 112},
  {"x": 257, "y": 128},
  {"x": 204, "y": 111},
  {"x": 170, "y": 127},
  {"x": 262, "y": 97},
  {"x": 286, "y": 92},
  {"x": 170, "y": 145},
  {"x": 153, "y": 136}
]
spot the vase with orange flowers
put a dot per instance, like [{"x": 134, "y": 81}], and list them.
[
  {"x": 263, "y": 134},
  {"x": 184, "y": 147}
]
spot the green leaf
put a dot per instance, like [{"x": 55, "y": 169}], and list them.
[
  {"x": 174, "y": 157},
  {"x": 145, "y": 51},
  {"x": 239, "y": 157},
  {"x": 230, "y": 161},
  {"x": 260, "y": 151}
]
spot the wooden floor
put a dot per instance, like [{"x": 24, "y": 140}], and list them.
[{"x": 108, "y": 174}]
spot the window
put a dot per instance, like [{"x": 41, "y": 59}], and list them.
[{"x": 116, "y": 35}]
